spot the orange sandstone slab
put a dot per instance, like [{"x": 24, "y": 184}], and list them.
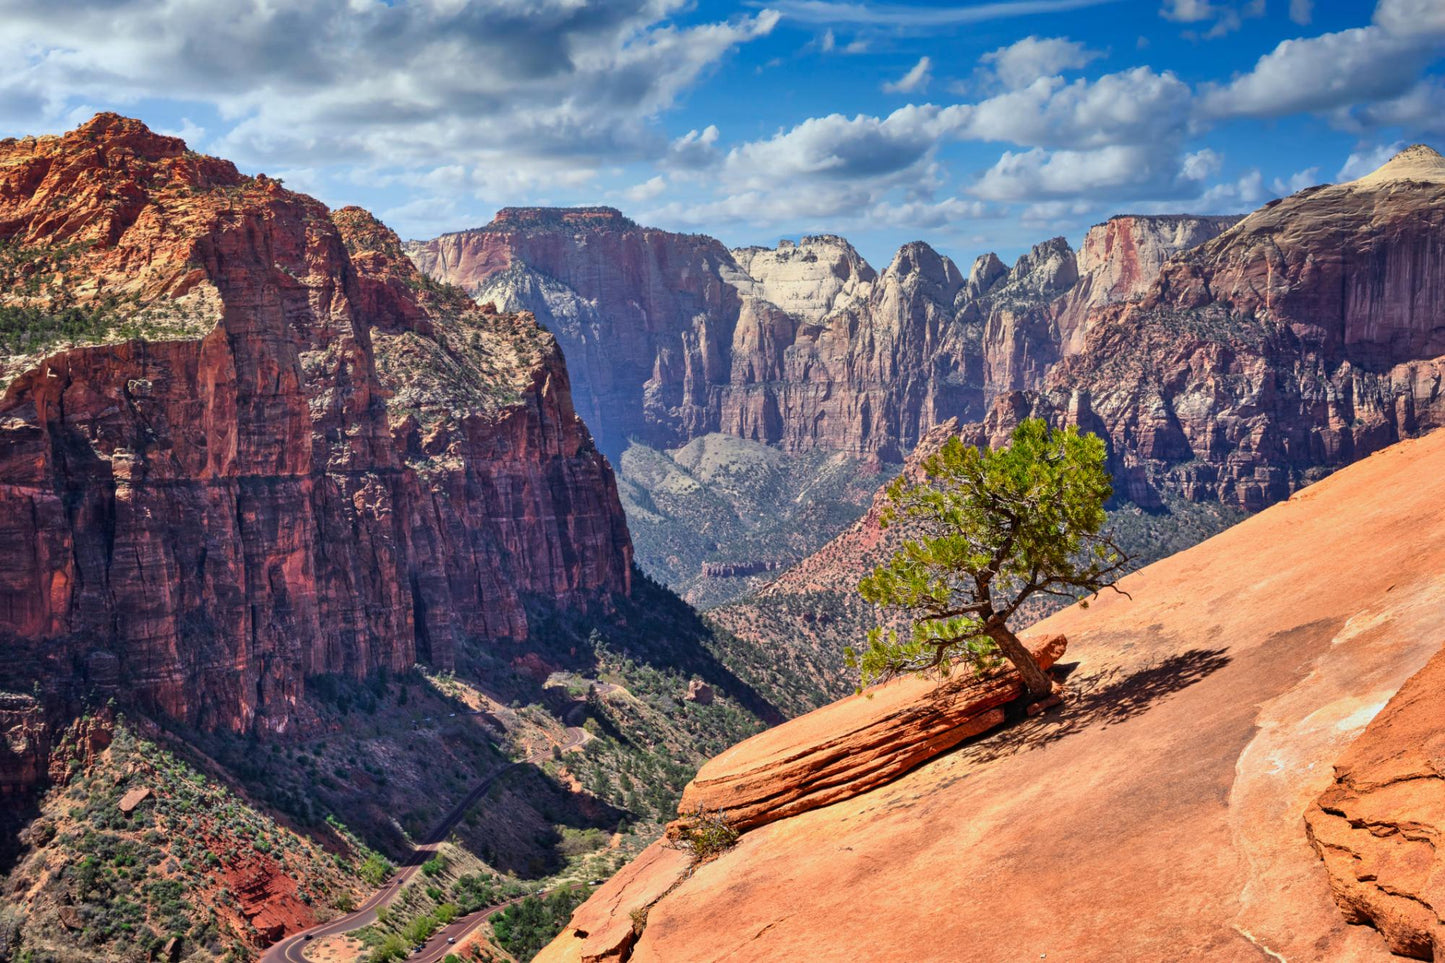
[
  {"x": 1380, "y": 826},
  {"x": 603, "y": 929},
  {"x": 851, "y": 746},
  {"x": 1160, "y": 814}
]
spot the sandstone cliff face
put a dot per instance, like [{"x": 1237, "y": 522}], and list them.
[
  {"x": 804, "y": 346},
  {"x": 1303, "y": 338},
  {"x": 1121, "y": 259},
  {"x": 1201, "y": 720},
  {"x": 328, "y": 465},
  {"x": 1017, "y": 311},
  {"x": 810, "y": 279},
  {"x": 1378, "y": 826},
  {"x": 670, "y": 337},
  {"x": 644, "y": 316}
]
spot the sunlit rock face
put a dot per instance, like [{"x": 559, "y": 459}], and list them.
[{"x": 327, "y": 465}]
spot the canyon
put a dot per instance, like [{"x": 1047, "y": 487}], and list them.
[
  {"x": 333, "y": 518},
  {"x": 675, "y": 341},
  {"x": 1226, "y": 361},
  {"x": 301, "y": 537},
  {"x": 1226, "y": 696},
  {"x": 342, "y": 469}
]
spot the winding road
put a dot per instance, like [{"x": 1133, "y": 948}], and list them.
[{"x": 292, "y": 948}]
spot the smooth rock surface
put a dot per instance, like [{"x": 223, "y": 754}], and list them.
[{"x": 1160, "y": 813}]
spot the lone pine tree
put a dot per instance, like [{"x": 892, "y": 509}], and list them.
[{"x": 993, "y": 530}]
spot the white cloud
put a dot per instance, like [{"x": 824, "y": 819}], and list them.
[
  {"x": 1233, "y": 197},
  {"x": 920, "y": 17},
  {"x": 1337, "y": 71},
  {"x": 647, "y": 190},
  {"x": 403, "y": 83},
  {"x": 838, "y": 148},
  {"x": 1365, "y": 161},
  {"x": 1130, "y": 107},
  {"x": 1025, "y": 61},
  {"x": 695, "y": 150},
  {"x": 929, "y": 215},
  {"x": 1298, "y": 181},
  {"x": 1201, "y": 164},
  {"x": 1227, "y": 17},
  {"x": 1188, "y": 11},
  {"x": 917, "y": 78},
  {"x": 1301, "y": 11},
  {"x": 1113, "y": 172},
  {"x": 1420, "y": 109}
]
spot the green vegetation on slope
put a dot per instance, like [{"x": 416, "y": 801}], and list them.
[
  {"x": 722, "y": 515},
  {"x": 104, "y": 884}
]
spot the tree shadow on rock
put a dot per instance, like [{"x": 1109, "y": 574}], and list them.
[{"x": 1099, "y": 701}]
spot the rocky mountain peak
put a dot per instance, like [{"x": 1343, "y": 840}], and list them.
[
  {"x": 810, "y": 278},
  {"x": 1418, "y": 162},
  {"x": 560, "y": 218},
  {"x": 1048, "y": 269},
  {"x": 916, "y": 257},
  {"x": 986, "y": 271},
  {"x": 113, "y": 132}
]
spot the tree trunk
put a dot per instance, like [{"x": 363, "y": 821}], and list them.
[{"x": 1036, "y": 680}]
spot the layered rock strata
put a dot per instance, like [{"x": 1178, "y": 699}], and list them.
[
  {"x": 1380, "y": 827},
  {"x": 851, "y": 746},
  {"x": 671, "y": 337},
  {"x": 1305, "y": 337},
  {"x": 276, "y": 450}
]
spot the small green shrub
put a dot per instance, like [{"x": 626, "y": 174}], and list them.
[{"x": 704, "y": 835}]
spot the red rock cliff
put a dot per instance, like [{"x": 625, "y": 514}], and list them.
[
  {"x": 668, "y": 337},
  {"x": 1305, "y": 337},
  {"x": 278, "y": 450}
]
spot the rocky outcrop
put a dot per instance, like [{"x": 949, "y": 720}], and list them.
[
  {"x": 856, "y": 744},
  {"x": 1305, "y": 337},
  {"x": 1121, "y": 259},
  {"x": 1379, "y": 826},
  {"x": 1203, "y": 714},
  {"x": 670, "y": 337},
  {"x": 809, "y": 279},
  {"x": 25, "y": 737},
  {"x": 328, "y": 465}
]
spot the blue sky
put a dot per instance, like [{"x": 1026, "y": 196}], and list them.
[{"x": 974, "y": 126}]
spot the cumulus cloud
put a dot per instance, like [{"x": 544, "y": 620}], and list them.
[
  {"x": 406, "y": 82},
  {"x": 839, "y": 148},
  {"x": 904, "y": 16},
  {"x": 916, "y": 79},
  {"x": 1021, "y": 63},
  {"x": 1420, "y": 109},
  {"x": 1231, "y": 197},
  {"x": 1297, "y": 181},
  {"x": 1132, "y": 106},
  {"x": 695, "y": 150},
  {"x": 1363, "y": 162},
  {"x": 648, "y": 190},
  {"x": 1340, "y": 70},
  {"x": 1105, "y": 173},
  {"x": 1226, "y": 17}
]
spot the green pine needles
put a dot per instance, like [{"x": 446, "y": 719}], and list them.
[{"x": 994, "y": 529}]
